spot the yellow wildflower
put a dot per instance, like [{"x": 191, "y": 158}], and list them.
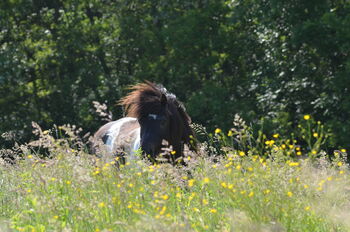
[
  {"x": 307, "y": 208},
  {"x": 217, "y": 130},
  {"x": 321, "y": 182},
  {"x": 205, "y": 201},
  {"x": 307, "y": 117},
  {"x": 192, "y": 196},
  {"x": 251, "y": 194},
  {"x": 101, "y": 204},
  {"x": 229, "y": 164},
  {"x": 289, "y": 194},
  {"x": 223, "y": 184},
  {"x": 343, "y": 150},
  {"x": 230, "y": 133},
  {"x": 96, "y": 172},
  {"x": 315, "y": 135},
  {"x": 173, "y": 152},
  {"x": 213, "y": 211},
  {"x": 269, "y": 142},
  {"x": 163, "y": 210},
  {"x": 206, "y": 180},
  {"x": 340, "y": 164},
  {"x": 241, "y": 153},
  {"x": 155, "y": 194},
  {"x": 293, "y": 164},
  {"x": 276, "y": 135},
  {"x": 191, "y": 182}
]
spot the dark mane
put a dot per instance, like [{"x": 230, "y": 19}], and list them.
[{"x": 146, "y": 98}]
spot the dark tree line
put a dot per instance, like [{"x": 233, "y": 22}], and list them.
[{"x": 275, "y": 59}]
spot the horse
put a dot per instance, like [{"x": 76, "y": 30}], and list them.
[{"x": 153, "y": 115}]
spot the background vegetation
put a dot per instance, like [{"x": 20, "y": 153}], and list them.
[{"x": 275, "y": 60}]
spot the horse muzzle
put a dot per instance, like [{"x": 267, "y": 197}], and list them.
[{"x": 150, "y": 152}]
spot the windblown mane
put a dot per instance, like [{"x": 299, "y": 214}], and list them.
[{"x": 146, "y": 98}]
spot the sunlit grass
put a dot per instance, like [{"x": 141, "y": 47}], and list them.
[
  {"x": 79, "y": 193},
  {"x": 240, "y": 190}
]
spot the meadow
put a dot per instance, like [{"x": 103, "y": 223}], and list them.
[{"x": 234, "y": 182}]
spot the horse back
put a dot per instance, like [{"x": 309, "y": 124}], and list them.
[{"x": 117, "y": 137}]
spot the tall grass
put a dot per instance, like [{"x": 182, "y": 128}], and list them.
[{"x": 240, "y": 190}]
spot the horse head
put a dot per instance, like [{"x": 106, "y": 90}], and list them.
[
  {"x": 155, "y": 127},
  {"x": 161, "y": 117}
]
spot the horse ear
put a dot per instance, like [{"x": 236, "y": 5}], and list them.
[{"x": 163, "y": 99}]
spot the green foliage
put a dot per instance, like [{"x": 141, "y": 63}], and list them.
[{"x": 274, "y": 60}]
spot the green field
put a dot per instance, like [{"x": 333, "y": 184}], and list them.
[{"x": 281, "y": 190}]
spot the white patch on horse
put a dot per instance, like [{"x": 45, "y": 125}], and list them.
[
  {"x": 113, "y": 132},
  {"x": 153, "y": 116},
  {"x": 137, "y": 144}
]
